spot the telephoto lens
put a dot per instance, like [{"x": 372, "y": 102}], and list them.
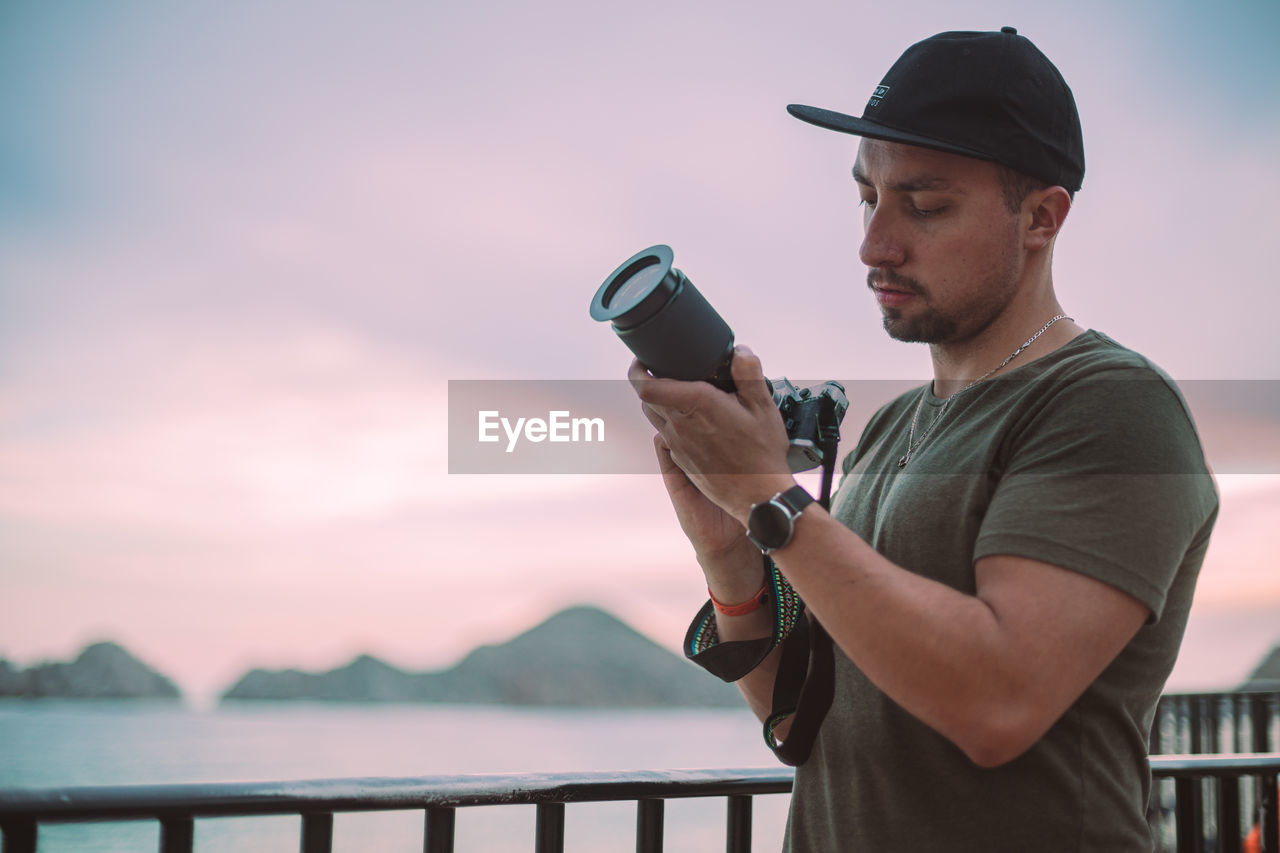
[{"x": 664, "y": 320}]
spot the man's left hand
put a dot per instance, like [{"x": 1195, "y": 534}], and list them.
[{"x": 732, "y": 446}]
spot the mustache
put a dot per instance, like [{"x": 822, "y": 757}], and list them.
[{"x": 891, "y": 280}]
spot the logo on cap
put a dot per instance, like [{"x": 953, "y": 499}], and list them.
[{"x": 877, "y": 96}]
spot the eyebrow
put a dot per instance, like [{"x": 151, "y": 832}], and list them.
[{"x": 919, "y": 183}]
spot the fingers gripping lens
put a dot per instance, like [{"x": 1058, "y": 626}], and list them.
[{"x": 674, "y": 331}]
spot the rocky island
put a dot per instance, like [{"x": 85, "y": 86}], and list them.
[
  {"x": 580, "y": 657},
  {"x": 1266, "y": 675},
  {"x": 102, "y": 671}
]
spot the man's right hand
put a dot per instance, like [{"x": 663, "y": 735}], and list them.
[
  {"x": 709, "y": 528},
  {"x": 733, "y": 568},
  {"x": 718, "y": 540}
]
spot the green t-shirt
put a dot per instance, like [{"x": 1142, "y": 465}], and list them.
[{"x": 1087, "y": 459}]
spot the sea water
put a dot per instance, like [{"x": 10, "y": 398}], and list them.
[{"x": 66, "y": 743}]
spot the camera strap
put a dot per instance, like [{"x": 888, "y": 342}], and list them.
[{"x": 804, "y": 685}]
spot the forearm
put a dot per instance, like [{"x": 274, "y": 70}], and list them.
[
  {"x": 939, "y": 653},
  {"x": 735, "y": 576},
  {"x": 757, "y": 685}
]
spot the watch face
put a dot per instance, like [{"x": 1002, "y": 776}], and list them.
[{"x": 769, "y": 525}]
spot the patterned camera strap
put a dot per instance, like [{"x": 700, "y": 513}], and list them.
[{"x": 805, "y": 682}]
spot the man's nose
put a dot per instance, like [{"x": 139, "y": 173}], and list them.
[{"x": 881, "y": 246}]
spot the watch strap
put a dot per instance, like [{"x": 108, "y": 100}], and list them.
[{"x": 795, "y": 499}]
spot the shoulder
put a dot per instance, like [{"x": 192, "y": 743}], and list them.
[
  {"x": 1093, "y": 352},
  {"x": 1095, "y": 367},
  {"x": 1112, "y": 405}
]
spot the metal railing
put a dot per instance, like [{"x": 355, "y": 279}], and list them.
[
  {"x": 1222, "y": 722},
  {"x": 1200, "y": 802},
  {"x": 1213, "y": 796},
  {"x": 177, "y": 807}
]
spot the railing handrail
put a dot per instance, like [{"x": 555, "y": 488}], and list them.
[
  {"x": 1214, "y": 795},
  {"x": 1249, "y": 691},
  {"x": 225, "y": 799},
  {"x": 1217, "y": 766},
  {"x": 118, "y": 802}
]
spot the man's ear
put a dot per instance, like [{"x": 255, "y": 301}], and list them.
[{"x": 1048, "y": 209}]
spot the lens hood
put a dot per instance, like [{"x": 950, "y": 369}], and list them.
[{"x": 663, "y": 319}]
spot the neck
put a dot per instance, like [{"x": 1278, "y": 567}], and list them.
[{"x": 956, "y": 365}]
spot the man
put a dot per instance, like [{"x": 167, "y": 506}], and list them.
[{"x": 1008, "y": 564}]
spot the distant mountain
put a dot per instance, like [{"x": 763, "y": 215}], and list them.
[
  {"x": 1266, "y": 676},
  {"x": 102, "y": 671},
  {"x": 579, "y": 657}
]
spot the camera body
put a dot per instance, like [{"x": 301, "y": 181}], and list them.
[
  {"x": 674, "y": 331},
  {"x": 812, "y": 416}
]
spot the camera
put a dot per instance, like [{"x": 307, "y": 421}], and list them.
[
  {"x": 674, "y": 331},
  {"x": 812, "y": 416}
]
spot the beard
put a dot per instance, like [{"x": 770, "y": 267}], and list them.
[
  {"x": 925, "y": 323},
  {"x": 926, "y": 327},
  {"x": 933, "y": 329}
]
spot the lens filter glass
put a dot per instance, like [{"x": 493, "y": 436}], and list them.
[{"x": 636, "y": 282}]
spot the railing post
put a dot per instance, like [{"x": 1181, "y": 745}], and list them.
[
  {"x": 738, "y": 831},
  {"x": 440, "y": 825},
  {"x": 177, "y": 834},
  {"x": 1269, "y": 813},
  {"x": 649, "y": 825},
  {"x": 1188, "y": 813},
  {"x": 1181, "y": 714},
  {"x": 1233, "y": 714},
  {"x": 1155, "y": 742},
  {"x": 1209, "y": 714},
  {"x": 18, "y": 836},
  {"x": 317, "y": 832},
  {"x": 1193, "y": 724},
  {"x": 1260, "y": 722},
  {"x": 1239, "y": 708},
  {"x": 550, "y": 828},
  {"x": 1229, "y": 814}
]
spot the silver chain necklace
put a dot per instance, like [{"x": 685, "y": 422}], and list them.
[{"x": 912, "y": 444}]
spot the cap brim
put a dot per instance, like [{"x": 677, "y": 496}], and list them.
[{"x": 861, "y": 127}]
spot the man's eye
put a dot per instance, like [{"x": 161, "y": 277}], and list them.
[
  {"x": 867, "y": 203},
  {"x": 925, "y": 213}
]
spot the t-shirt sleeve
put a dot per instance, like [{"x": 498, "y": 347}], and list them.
[{"x": 1106, "y": 478}]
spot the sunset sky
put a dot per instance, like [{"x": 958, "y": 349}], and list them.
[{"x": 244, "y": 248}]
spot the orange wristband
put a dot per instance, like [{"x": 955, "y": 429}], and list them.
[{"x": 749, "y": 606}]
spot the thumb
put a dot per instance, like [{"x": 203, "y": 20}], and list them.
[{"x": 749, "y": 377}]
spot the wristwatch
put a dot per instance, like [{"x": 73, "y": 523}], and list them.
[{"x": 771, "y": 524}]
